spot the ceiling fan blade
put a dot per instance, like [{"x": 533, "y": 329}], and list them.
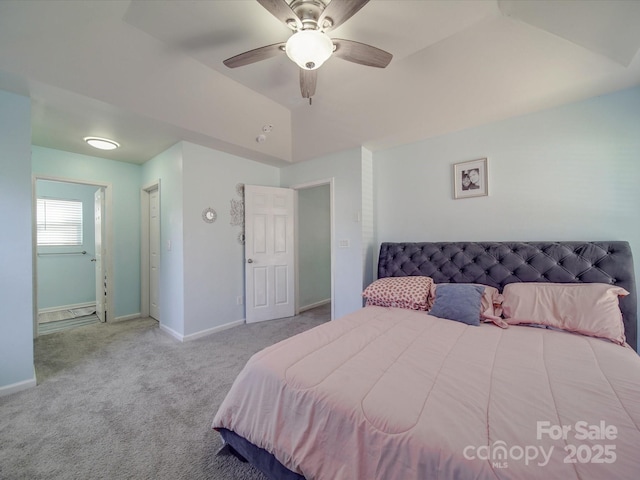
[
  {"x": 339, "y": 12},
  {"x": 308, "y": 80},
  {"x": 361, "y": 53},
  {"x": 282, "y": 11},
  {"x": 255, "y": 55}
]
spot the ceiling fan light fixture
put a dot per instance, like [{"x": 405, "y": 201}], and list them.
[
  {"x": 309, "y": 49},
  {"x": 101, "y": 143}
]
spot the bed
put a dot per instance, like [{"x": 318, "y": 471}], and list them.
[{"x": 397, "y": 393}]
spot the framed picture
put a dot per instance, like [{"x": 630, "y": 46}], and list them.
[{"x": 470, "y": 179}]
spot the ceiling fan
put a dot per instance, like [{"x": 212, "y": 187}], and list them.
[{"x": 310, "y": 46}]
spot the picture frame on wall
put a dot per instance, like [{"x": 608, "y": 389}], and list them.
[{"x": 470, "y": 179}]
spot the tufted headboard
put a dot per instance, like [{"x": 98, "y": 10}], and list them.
[{"x": 500, "y": 263}]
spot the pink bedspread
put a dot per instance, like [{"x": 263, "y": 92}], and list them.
[{"x": 388, "y": 394}]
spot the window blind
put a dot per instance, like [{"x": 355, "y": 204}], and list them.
[{"x": 59, "y": 222}]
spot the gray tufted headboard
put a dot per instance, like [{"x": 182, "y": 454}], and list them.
[{"x": 500, "y": 263}]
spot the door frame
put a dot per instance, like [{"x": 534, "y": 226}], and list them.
[
  {"x": 108, "y": 223},
  {"x": 303, "y": 186},
  {"x": 145, "y": 222}
]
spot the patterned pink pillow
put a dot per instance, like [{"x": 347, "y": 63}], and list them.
[{"x": 413, "y": 293}]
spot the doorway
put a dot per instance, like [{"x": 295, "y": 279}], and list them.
[
  {"x": 314, "y": 231},
  {"x": 60, "y": 305},
  {"x": 313, "y": 252}
]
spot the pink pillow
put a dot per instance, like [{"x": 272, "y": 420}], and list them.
[
  {"x": 588, "y": 308},
  {"x": 413, "y": 292}
]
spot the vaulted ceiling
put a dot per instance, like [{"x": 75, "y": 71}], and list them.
[{"x": 149, "y": 73}]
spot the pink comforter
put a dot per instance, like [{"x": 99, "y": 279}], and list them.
[{"x": 387, "y": 394}]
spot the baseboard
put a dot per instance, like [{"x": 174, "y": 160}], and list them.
[
  {"x": 18, "y": 387},
  {"x": 209, "y": 331},
  {"x": 66, "y": 307},
  {"x": 202, "y": 333},
  {"x": 172, "y": 332},
  {"x": 314, "y": 305},
  {"x": 132, "y": 316}
]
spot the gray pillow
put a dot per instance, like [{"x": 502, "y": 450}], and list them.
[{"x": 458, "y": 302}]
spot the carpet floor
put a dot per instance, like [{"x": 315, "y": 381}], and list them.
[{"x": 125, "y": 400}]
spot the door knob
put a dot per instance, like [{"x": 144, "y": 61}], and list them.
[
  {"x": 250, "y": 261},
  {"x": 93, "y": 259}
]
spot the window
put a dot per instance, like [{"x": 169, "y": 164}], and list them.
[{"x": 59, "y": 222}]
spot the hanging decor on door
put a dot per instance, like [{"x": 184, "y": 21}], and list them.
[{"x": 237, "y": 212}]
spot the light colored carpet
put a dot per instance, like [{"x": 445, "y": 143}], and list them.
[{"x": 124, "y": 400}]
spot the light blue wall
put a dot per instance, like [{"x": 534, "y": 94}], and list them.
[
  {"x": 314, "y": 245},
  {"x": 570, "y": 173},
  {"x": 79, "y": 271},
  {"x": 346, "y": 169},
  {"x": 16, "y": 254},
  {"x": 124, "y": 179}
]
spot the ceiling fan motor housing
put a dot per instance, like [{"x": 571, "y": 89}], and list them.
[{"x": 308, "y": 11}]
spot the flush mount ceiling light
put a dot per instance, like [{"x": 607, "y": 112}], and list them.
[
  {"x": 309, "y": 49},
  {"x": 101, "y": 143}
]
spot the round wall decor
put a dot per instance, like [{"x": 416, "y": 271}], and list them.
[{"x": 209, "y": 215}]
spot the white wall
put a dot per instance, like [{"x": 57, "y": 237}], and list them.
[
  {"x": 346, "y": 168},
  {"x": 16, "y": 255},
  {"x": 369, "y": 252},
  {"x": 213, "y": 257},
  {"x": 202, "y": 275},
  {"x": 167, "y": 168},
  {"x": 570, "y": 173}
]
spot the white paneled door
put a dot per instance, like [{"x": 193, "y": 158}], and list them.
[
  {"x": 269, "y": 253},
  {"x": 101, "y": 283},
  {"x": 154, "y": 253}
]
